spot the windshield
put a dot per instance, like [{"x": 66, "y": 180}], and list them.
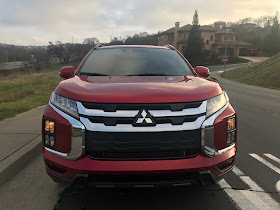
[{"x": 135, "y": 62}]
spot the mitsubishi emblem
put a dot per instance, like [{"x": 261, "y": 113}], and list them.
[{"x": 144, "y": 118}]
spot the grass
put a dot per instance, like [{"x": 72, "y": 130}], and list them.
[
  {"x": 22, "y": 90},
  {"x": 23, "y": 93},
  {"x": 266, "y": 74}
]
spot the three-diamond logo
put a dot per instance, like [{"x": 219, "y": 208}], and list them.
[{"x": 144, "y": 118}]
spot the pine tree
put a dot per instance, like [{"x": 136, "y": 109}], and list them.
[{"x": 194, "y": 50}]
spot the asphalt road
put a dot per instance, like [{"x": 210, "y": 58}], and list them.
[
  {"x": 251, "y": 185},
  {"x": 11, "y": 65},
  {"x": 230, "y": 66}
]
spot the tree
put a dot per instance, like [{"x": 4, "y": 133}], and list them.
[
  {"x": 39, "y": 59},
  {"x": 64, "y": 52},
  {"x": 116, "y": 41},
  {"x": 195, "y": 44},
  {"x": 91, "y": 41},
  {"x": 219, "y": 24},
  {"x": 270, "y": 43},
  {"x": 275, "y": 35},
  {"x": 55, "y": 50},
  {"x": 142, "y": 39}
]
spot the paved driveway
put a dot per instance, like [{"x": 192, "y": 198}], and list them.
[{"x": 255, "y": 59}]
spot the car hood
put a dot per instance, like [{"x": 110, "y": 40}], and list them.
[{"x": 138, "y": 89}]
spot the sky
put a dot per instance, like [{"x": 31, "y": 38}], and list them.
[{"x": 36, "y": 22}]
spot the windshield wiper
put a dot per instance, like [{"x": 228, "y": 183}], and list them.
[
  {"x": 92, "y": 74},
  {"x": 149, "y": 74}
]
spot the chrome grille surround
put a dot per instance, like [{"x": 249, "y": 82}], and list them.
[{"x": 85, "y": 113}]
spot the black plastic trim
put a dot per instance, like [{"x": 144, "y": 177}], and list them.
[
  {"x": 113, "y": 121},
  {"x": 110, "y": 107}
]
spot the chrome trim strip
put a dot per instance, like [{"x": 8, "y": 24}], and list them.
[
  {"x": 212, "y": 152},
  {"x": 207, "y": 134},
  {"x": 168, "y": 113},
  {"x": 129, "y": 128},
  {"x": 100, "y": 113},
  {"x": 132, "y": 113},
  {"x": 77, "y": 143},
  {"x": 56, "y": 152},
  {"x": 220, "y": 152},
  {"x": 210, "y": 120}
]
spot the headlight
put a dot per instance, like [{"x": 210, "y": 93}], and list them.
[
  {"x": 216, "y": 103},
  {"x": 65, "y": 104}
]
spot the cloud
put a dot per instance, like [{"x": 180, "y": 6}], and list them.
[{"x": 52, "y": 20}]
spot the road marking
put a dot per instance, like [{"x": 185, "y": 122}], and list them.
[
  {"x": 272, "y": 158},
  {"x": 236, "y": 196},
  {"x": 277, "y": 186},
  {"x": 268, "y": 164},
  {"x": 261, "y": 199},
  {"x": 253, "y": 185},
  {"x": 266, "y": 198},
  {"x": 257, "y": 202},
  {"x": 237, "y": 171}
]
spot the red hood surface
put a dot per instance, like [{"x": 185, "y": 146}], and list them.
[{"x": 138, "y": 89}]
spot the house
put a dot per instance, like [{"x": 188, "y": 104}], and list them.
[{"x": 214, "y": 40}]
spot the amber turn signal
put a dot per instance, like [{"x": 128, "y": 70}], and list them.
[
  {"x": 231, "y": 124},
  {"x": 49, "y": 126}
]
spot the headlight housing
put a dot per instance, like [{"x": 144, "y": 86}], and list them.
[
  {"x": 216, "y": 103},
  {"x": 65, "y": 104}
]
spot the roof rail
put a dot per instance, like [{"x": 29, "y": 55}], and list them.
[
  {"x": 169, "y": 46},
  {"x": 97, "y": 46}
]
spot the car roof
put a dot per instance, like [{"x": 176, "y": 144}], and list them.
[{"x": 134, "y": 46}]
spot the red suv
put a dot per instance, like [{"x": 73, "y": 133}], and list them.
[{"x": 138, "y": 115}]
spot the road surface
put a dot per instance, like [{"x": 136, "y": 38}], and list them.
[
  {"x": 230, "y": 66},
  {"x": 253, "y": 184},
  {"x": 254, "y": 58},
  {"x": 11, "y": 65}
]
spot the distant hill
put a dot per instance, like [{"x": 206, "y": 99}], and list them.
[{"x": 266, "y": 74}]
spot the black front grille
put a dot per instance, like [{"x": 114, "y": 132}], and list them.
[
  {"x": 143, "y": 145},
  {"x": 113, "y": 121},
  {"x": 161, "y": 106}
]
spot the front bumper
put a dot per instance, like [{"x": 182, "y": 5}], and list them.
[
  {"x": 64, "y": 165},
  {"x": 85, "y": 166}
]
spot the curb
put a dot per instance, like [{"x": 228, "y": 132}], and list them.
[
  {"x": 12, "y": 165},
  {"x": 218, "y": 78}
]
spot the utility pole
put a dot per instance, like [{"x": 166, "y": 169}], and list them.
[
  {"x": 226, "y": 48},
  {"x": 14, "y": 52},
  {"x": 7, "y": 53},
  {"x": 32, "y": 61}
]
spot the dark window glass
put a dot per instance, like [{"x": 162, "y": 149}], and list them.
[{"x": 135, "y": 61}]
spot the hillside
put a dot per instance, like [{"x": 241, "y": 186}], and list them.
[{"x": 266, "y": 74}]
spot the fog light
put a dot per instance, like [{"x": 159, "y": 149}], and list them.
[
  {"x": 47, "y": 139},
  {"x": 52, "y": 142},
  {"x": 49, "y": 133},
  {"x": 231, "y": 138}
]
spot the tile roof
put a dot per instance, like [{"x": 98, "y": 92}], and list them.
[
  {"x": 231, "y": 43},
  {"x": 188, "y": 27},
  {"x": 220, "y": 31}
]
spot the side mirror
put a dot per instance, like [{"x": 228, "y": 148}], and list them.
[
  {"x": 66, "y": 72},
  {"x": 202, "y": 71}
]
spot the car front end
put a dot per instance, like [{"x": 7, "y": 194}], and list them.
[{"x": 139, "y": 130}]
